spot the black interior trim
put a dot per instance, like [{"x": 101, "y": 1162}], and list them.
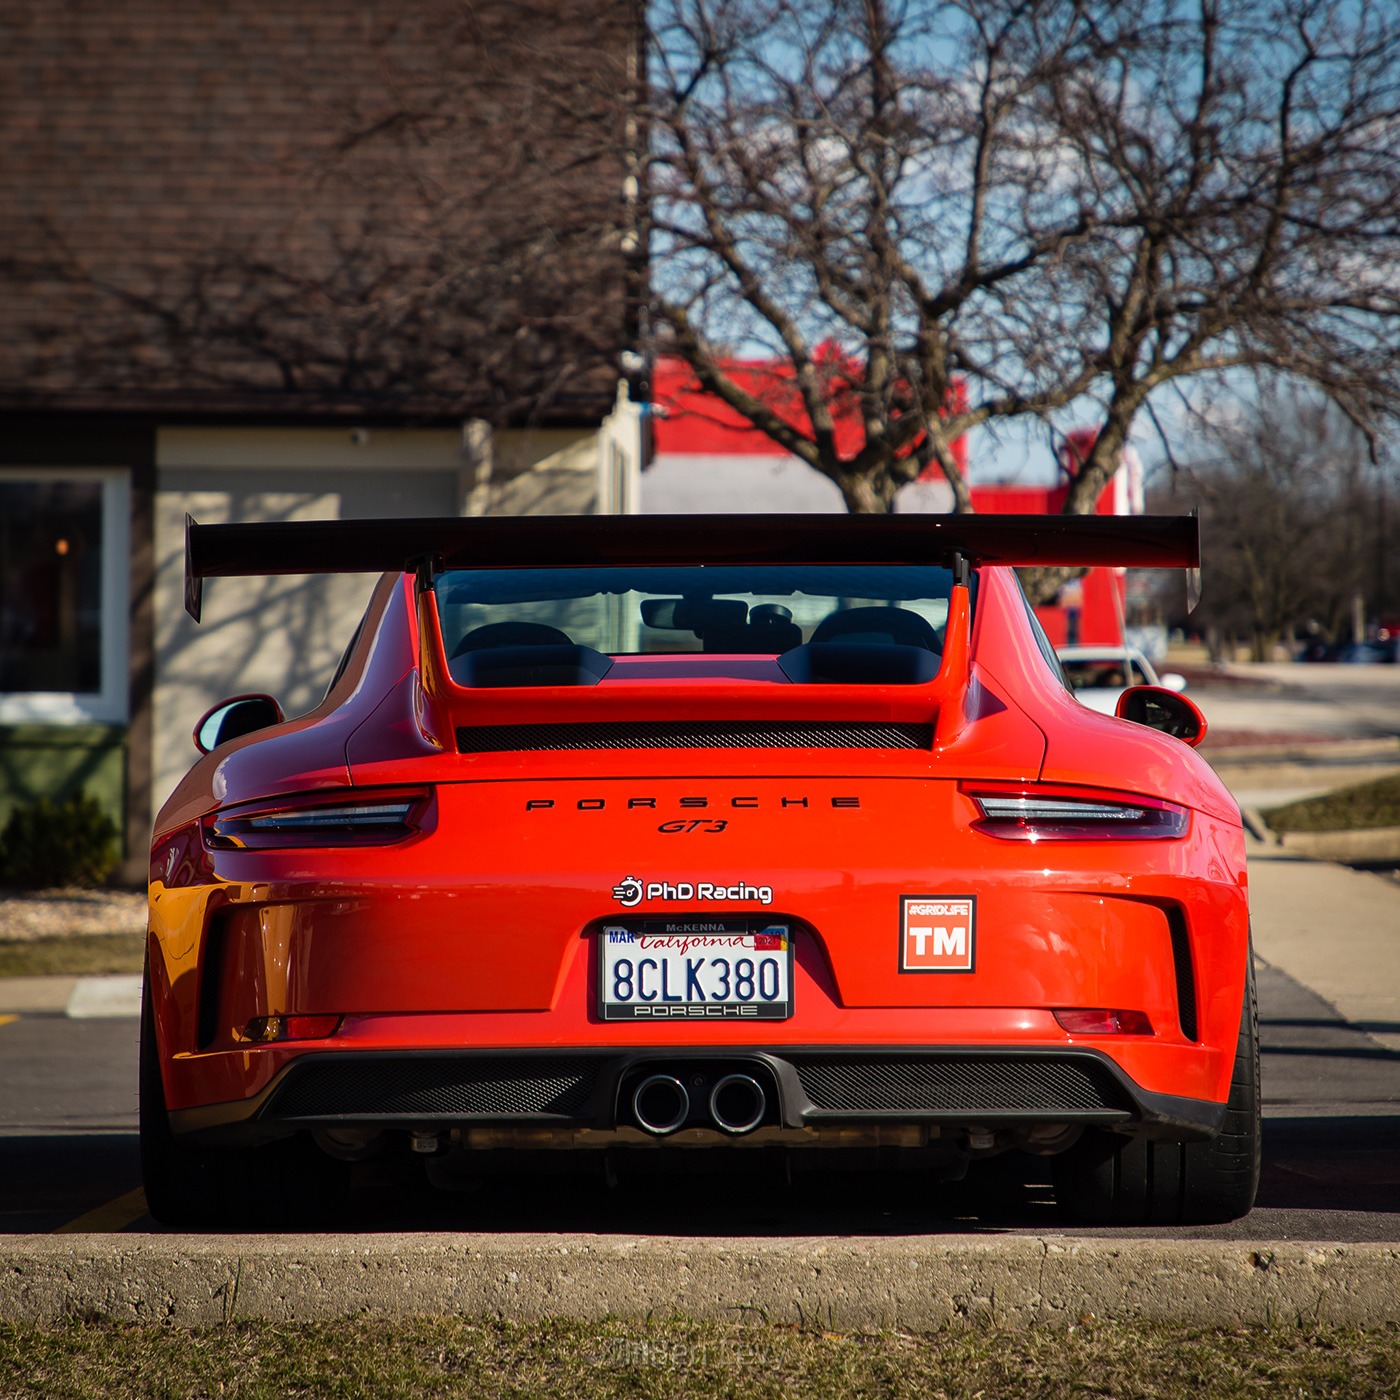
[
  {"x": 529, "y": 666},
  {"x": 859, "y": 663},
  {"x": 511, "y": 633},
  {"x": 881, "y": 625}
]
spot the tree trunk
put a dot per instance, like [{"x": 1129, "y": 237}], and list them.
[
  {"x": 935, "y": 448},
  {"x": 1043, "y": 582},
  {"x": 1262, "y": 643},
  {"x": 1104, "y": 459},
  {"x": 868, "y": 494}
]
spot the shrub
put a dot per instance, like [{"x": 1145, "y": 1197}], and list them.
[{"x": 51, "y": 844}]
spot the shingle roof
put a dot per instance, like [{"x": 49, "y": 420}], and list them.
[{"x": 239, "y": 207}]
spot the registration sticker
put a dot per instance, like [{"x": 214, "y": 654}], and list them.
[
  {"x": 938, "y": 933},
  {"x": 695, "y": 969}
]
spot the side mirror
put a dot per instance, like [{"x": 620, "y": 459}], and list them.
[
  {"x": 232, "y": 719},
  {"x": 1160, "y": 708}
]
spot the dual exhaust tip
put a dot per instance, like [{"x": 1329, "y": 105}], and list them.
[{"x": 661, "y": 1104}]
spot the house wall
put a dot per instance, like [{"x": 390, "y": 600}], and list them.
[
  {"x": 280, "y": 635},
  {"x": 543, "y": 471},
  {"x": 206, "y": 221},
  {"x": 59, "y": 761},
  {"x": 284, "y": 635}
]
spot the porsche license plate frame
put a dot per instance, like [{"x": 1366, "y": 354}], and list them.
[{"x": 673, "y": 946}]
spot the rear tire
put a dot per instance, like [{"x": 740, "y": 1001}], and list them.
[
  {"x": 285, "y": 1185},
  {"x": 1105, "y": 1179}
]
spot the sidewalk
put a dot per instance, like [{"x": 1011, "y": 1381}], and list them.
[{"x": 1335, "y": 930}]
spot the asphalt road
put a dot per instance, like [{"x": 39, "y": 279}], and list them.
[{"x": 69, "y": 1157}]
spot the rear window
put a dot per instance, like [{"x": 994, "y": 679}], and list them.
[
  {"x": 1052, "y": 659},
  {"x": 758, "y": 609}
]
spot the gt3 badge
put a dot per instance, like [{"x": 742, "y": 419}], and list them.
[{"x": 937, "y": 934}]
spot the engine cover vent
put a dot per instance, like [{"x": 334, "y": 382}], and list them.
[{"x": 696, "y": 734}]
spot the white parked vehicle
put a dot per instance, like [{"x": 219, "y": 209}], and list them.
[{"x": 1099, "y": 675}]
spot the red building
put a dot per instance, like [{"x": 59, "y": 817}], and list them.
[
  {"x": 690, "y": 420},
  {"x": 699, "y": 439}
]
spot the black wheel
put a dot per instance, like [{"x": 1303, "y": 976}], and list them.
[
  {"x": 1106, "y": 1179},
  {"x": 287, "y": 1185}
]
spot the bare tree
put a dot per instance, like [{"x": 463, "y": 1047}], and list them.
[
  {"x": 1293, "y": 519},
  {"x": 1065, "y": 204}
]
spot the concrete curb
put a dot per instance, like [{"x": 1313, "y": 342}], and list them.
[
  {"x": 115, "y": 995},
  {"x": 916, "y": 1284}
]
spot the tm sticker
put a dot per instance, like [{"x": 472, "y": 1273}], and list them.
[{"x": 937, "y": 933}]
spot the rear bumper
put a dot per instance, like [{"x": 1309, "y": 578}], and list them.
[{"x": 571, "y": 1090}]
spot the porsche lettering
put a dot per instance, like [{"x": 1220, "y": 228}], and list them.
[{"x": 742, "y": 802}]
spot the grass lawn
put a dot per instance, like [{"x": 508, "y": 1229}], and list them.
[
  {"x": 82, "y": 955},
  {"x": 450, "y": 1357},
  {"x": 1347, "y": 809}
]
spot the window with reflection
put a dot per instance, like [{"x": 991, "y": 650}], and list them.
[{"x": 50, "y": 586}]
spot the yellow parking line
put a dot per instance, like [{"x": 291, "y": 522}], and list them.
[
  {"x": 5, "y": 1020},
  {"x": 104, "y": 1220}
]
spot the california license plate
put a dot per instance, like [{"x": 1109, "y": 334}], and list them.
[{"x": 695, "y": 969}]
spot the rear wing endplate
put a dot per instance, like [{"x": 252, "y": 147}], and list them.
[{"x": 611, "y": 541}]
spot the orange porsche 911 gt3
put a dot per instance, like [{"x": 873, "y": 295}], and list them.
[{"x": 646, "y": 842}]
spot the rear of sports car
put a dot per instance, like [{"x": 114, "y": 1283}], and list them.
[{"x": 654, "y": 867}]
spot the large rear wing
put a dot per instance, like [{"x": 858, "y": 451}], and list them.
[{"x": 434, "y": 543}]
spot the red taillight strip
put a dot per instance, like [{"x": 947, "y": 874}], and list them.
[
  {"x": 1039, "y": 812},
  {"x": 374, "y": 818},
  {"x": 1099, "y": 1020}
]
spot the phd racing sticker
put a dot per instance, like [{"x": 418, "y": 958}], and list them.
[
  {"x": 632, "y": 890},
  {"x": 938, "y": 933}
]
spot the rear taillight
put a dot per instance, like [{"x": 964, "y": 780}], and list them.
[
  {"x": 1031, "y": 812},
  {"x": 1098, "y": 1020},
  {"x": 374, "y": 819}
]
